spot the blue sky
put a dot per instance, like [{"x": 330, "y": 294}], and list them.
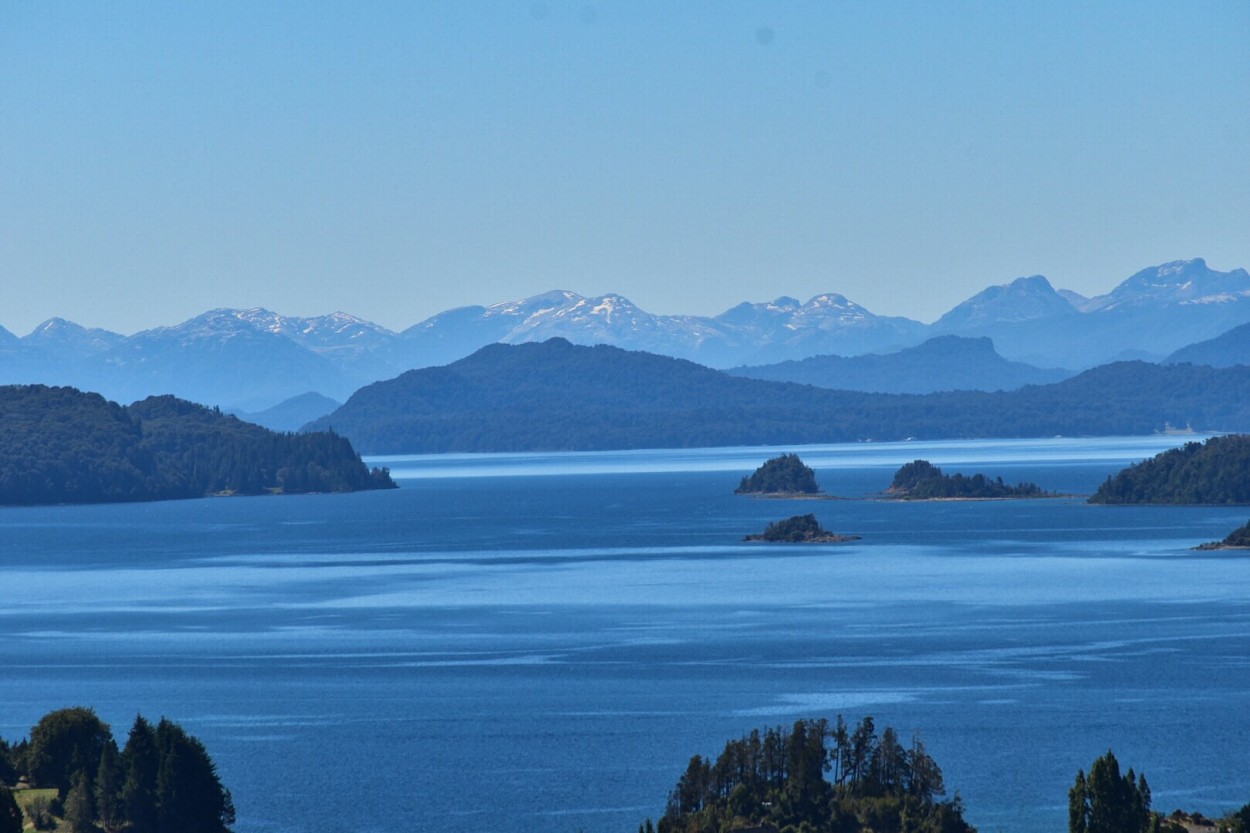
[{"x": 396, "y": 159}]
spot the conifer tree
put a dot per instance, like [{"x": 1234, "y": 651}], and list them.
[
  {"x": 139, "y": 765},
  {"x": 108, "y": 787},
  {"x": 79, "y": 808},
  {"x": 10, "y": 813}
]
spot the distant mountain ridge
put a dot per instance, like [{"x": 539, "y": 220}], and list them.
[
  {"x": 557, "y": 396},
  {"x": 942, "y": 363},
  {"x": 253, "y": 359},
  {"x": 1225, "y": 350}
]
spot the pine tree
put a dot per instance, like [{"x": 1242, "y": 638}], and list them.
[
  {"x": 108, "y": 787},
  {"x": 79, "y": 808},
  {"x": 189, "y": 796},
  {"x": 1107, "y": 802},
  {"x": 140, "y": 761},
  {"x": 10, "y": 813}
]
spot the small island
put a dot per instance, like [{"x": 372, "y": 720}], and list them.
[
  {"x": 1238, "y": 539},
  {"x": 784, "y": 476},
  {"x": 1216, "y": 473},
  {"x": 921, "y": 480},
  {"x": 800, "y": 529}
]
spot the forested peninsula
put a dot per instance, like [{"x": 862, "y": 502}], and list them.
[
  {"x": 60, "y": 445},
  {"x": 1238, "y": 539},
  {"x": 1215, "y": 472}
]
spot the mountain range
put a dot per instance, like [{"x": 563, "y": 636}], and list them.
[{"x": 251, "y": 360}]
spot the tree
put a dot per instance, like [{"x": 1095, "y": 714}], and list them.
[
  {"x": 1078, "y": 804},
  {"x": 108, "y": 787},
  {"x": 10, "y": 813},
  {"x": 190, "y": 797},
  {"x": 1107, "y": 802},
  {"x": 64, "y": 743},
  {"x": 79, "y": 808},
  {"x": 140, "y": 762},
  {"x": 1241, "y": 820}
]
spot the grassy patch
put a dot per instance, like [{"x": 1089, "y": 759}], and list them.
[{"x": 26, "y": 798}]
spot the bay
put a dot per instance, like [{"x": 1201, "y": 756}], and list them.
[{"x": 541, "y": 641}]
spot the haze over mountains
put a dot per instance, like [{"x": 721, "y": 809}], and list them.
[{"x": 254, "y": 359}]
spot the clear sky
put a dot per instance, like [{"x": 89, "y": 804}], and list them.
[{"x": 392, "y": 160}]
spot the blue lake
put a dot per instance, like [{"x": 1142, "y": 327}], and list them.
[{"x": 541, "y": 641}]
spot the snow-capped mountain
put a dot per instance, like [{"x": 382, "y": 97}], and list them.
[
  {"x": 66, "y": 339},
  {"x": 1024, "y": 299},
  {"x": 1148, "y": 315},
  {"x": 1178, "y": 282},
  {"x": 217, "y": 358},
  {"x": 335, "y": 331},
  {"x": 749, "y": 332}
]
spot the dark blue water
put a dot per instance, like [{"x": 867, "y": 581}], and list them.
[{"x": 541, "y": 642}]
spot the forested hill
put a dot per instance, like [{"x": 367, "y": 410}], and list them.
[
  {"x": 60, "y": 445},
  {"x": 557, "y": 396},
  {"x": 1214, "y": 472}
]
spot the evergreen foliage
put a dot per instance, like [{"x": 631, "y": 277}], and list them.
[
  {"x": 921, "y": 480},
  {"x": 59, "y": 445},
  {"x": 1241, "y": 820},
  {"x": 1213, "y": 472},
  {"x": 163, "y": 781},
  {"x": 140, "y": 765},
  {"x": 777, "y": 777},
  {"x": 10, "y": 813},
  {"x": 1108, "y": 802},
  {"x": 780, "y": 475}
]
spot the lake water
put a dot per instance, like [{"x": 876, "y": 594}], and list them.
[{"x": 541, "y": 641}]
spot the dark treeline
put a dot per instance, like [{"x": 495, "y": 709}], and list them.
[
  {"x": 60, "y": 445},
  {"x": 921, "y": 480},
  {"x": 161, "y": 781},
  {"x": 778, "y": 777},
  {"x": 780, "y": 475},
  {"x": 1214, "y": 472}
]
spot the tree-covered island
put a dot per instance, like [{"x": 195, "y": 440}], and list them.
[
  {"x": 921, "y": 480},
  {"x": 784, "y": 476},
  {"x": 799, "y": 529},
  {"x": 60, "y": 445},
  {"x": 1215, "y": 472}
]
